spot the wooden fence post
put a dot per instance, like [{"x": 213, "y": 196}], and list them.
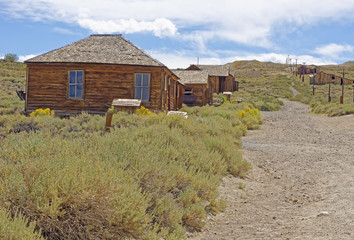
[{"x": 109, "y": 116}]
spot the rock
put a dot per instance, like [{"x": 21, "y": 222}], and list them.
[{"x": 323, "y": 213}]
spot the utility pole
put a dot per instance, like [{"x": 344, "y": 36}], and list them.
[
  {"x": 341, "y": 100},
  {"x": 296, "y": 67},
  {"x": 313, "y": 81},
  {"x": 353, "y": 90},
  {"x": 303, "y": 72},
  {"x": 329, "y": 89}
]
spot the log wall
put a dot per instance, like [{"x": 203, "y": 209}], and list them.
[
  {"x": 47, "y": 86},
  {"x": 322, "y": 78}
]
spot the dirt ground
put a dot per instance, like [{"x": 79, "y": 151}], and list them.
[{"x": 301, "y": 185}]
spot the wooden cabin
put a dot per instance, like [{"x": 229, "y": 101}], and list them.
[
  {"x": 303, "y": 70},
  {"x": 221, "y": 78},
  {"x": 323, "y": 78},
  {"x": 198, "y": 91},
  {"x": 88, "y": 74}
]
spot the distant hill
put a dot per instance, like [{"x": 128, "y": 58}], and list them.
[
  {"x": 349, "y": 63},
  {"x": 255, "y": 68},
  {"x": 253, "y": 64}
]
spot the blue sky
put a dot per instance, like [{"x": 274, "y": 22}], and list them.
[{"x": 178, "y": 32}]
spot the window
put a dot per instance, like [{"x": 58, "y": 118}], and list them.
[
  {"x": 76, "y": 84},
  {"x": 142, "y": 86},
  {"x": 188, "y": 91}
]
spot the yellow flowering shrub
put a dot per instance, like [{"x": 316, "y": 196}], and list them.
[
  {"x": 248, "y": 112},
  {"x": 251, "y": 117},
  {"x": 143, "y": 111},
  {"x": 42, "y": 112}
]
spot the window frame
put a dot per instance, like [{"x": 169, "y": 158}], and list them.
[
  {"x": 141, "y": 86},
  {"x": 76, "y": 84}
]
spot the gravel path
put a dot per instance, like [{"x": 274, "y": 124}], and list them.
[{"x": 301, "y": 185}]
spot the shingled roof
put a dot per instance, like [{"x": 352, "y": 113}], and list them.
[
  {"x": 214, "y": 70},
  {"x": 192, "y": 77},
  {"x": 99, "y": 48}
]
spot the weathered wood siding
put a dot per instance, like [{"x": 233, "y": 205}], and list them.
[
  {"x": 215, "y": 83},
  {"x": 229, "y": 84},
  {"x": 200, "y": 91},
  {"x": 168, "y": 92},
  {"x": 209, "y": 92},
  {"x": 180, "y": 91},
  {"x": 47, "y": 86},
  {"x": 305, "y": 70},
  {"x": 222, "y": 84},
  {"x": 322, "y": 78}
]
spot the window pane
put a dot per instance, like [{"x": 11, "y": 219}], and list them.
[
  {"x": 137, "y": 93},
  {"x": 79, "y": 91},
  {"x": 72, "y": 76},
  {"x": 146, "y": 80},
  {"x": 72, "y": 91},
  {"x": 80, "y": 76},
  {"x": 145, "y": 94},
  {"x": 138, "y": 78}
]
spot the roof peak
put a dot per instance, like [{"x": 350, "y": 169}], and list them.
[
  {"x": 100, "y": 49},
  {"x": 102, "y": 35}
]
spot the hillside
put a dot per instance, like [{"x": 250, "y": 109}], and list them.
[
  {"x": 254, "y": 68},
  {"x": 12, "y": 78}
]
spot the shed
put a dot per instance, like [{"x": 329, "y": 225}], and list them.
[
  {"x": 198, "y": 91},
  {"x": 323, "y": 78},
  {"x": 303, "y": 70},
  {"x": 88, "y": 74},
  {"x": 221, "y": 78}
]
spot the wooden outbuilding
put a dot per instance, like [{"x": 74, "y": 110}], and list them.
[
  {"x": 88, "y": 74},
  {"x": 323, "y": 78},
  {"x": 198, "y": 91},
  {"x": 221, "y": 78},
  {"x": 303, "y": 70}
]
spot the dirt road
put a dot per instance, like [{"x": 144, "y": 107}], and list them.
[{"x": 301, "y": 185}]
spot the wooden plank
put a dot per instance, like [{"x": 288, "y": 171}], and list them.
[{"x": 126, "y": 102}]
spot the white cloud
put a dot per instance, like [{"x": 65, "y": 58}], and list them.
[
  {"x": 26, "y": 57},
  {"x": 334, "y": 50},
  {"x": 250, "y": 22},
  {"x": 180, "y": 59},
  {"x": 160, "y": 27},
  {"x": 63, "y": 31}
]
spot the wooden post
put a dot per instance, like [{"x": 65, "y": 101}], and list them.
[
  {"x": 109, "y": 116},
  {"x": 228, "y": 96},
  {"x": 329, "y": 89},
  {"x": 342, "y": 82}
]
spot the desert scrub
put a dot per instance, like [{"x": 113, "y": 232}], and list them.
[
  {"x": 78, "y": 126},
  {"x": 17, "y": 227},
  {"x": 153, "y": 176},
  {"x": 251, "y": 117},
  {"x": 12, "y": 78}
]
